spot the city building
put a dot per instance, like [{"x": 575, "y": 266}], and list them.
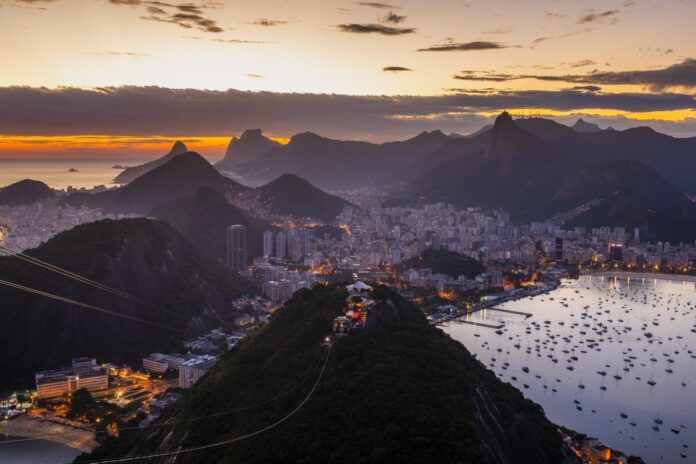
[
  {"x": 191, "y": 370},
  {"x": 237, "y": 247},
  {"x": 83, "y": 373}
]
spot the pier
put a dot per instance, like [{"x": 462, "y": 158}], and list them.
[{"x": 510, "y": 311}]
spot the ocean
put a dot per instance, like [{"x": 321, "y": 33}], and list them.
[
  {"x": 588, "y": 352},
  {"x": 56, "y": 173}
]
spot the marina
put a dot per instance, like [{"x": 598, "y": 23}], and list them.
[{"x": 607, "y": 356}]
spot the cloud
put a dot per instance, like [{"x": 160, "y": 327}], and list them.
[
  {"x": 268, "y": 22},
  {"x": 254, "y": 76},
  {"x": 145, "y": 111},
  {"x": 463, "y": 47},
  {"x": 395, "y": 69},
  {"x": 581, "y": 63},
  {"x": 128, "y": 54},
  {"x": 586, "y": 88},
  {"x": 380, "y": 6},
  {"x": 185, "y": 15},
  {"x": 595, "y": 17},
  {"x": 393, "y": 18},
  {"x": 375, "y": 28},
  {"x": 675, "y": 76}
]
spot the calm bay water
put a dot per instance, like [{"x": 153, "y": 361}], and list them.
[
  {"x": 55, "y": 173},
  {"x": 615, "y": 316},
  {"x": 35, "y": 452}
]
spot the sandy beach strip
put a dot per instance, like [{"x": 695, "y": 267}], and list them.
[{"x": 29, "y": 428}]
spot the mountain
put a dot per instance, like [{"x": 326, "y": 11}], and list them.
[
  {"x": 179, "y": 177},
  {"x": 634, "y": 195},
  {"x": 533, "y": 179},
  {"x": 24, "y": 192},
  {"x": 583, "y": 126},
  {"x": 130, "y": 174},
  {"x": 398, "y": 391},
  {"x": 203, "y": 219},
  {"x": 251, "y": 146},
  {"x": 445, "y": 262},
  {"x": 147, "y": 259},
  {"x": 291, "y": 195},
  {"x": 337, "y": 164}
]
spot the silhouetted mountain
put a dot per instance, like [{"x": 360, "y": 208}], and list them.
[
  {"x": 634, "y": 195},
  {"x": 545, "y": 129},
  {"x": 584, "y": 126},
  {"x": 203, "y": 219},
  {"x": 179, "y": 177},
  {"x": 398, "y": 391},
  {"x": 24, "y": 192},
  {"x": 251, "y": 146},
  {"x": 129, "y": 174},
  {"x": 534, "y": 179},
  {"x": 147, "y": 259},
  {"x": 336, "y": 164},
  {"x": 292, "y": 195}
]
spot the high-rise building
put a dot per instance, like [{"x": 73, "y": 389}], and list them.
[
  {"x": 559, "y": 249},
  {"x": 616, "y": 252},
  {"x": 280, "y": 245},
  {"x": 268, "y": 243},
  {"x": 237, "y": 247}
]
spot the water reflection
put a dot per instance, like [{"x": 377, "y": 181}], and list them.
[{"x": 614, "y": 358}]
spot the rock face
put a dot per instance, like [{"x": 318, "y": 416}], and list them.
[
  {"x": 251, "y": 146},
  {"x": 24, "y": 192},
  {"x": 399, "y": 391},
  {"x": 144, "y": 258},
  {"x": 128, "y": 175}
]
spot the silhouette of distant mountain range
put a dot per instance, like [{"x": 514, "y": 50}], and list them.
[{"x": 519, "y": 166}]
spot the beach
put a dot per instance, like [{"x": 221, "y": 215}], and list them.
[{"x": 30, "y": 429}]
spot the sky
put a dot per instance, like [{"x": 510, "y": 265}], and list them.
[{"x": 124, "y": 78}]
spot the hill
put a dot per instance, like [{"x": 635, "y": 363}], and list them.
[
  {"x": 399, "y": 391},
  {"x": 533, "y": 180},
  {"x": 203, "y": 219},
  {"x": 130, "y": 174},
  {"x": 24, "y": 192},
  {"x": 292, "y": 195},
  {"x": 144, "y": 258},
  {"x": 251, "y": 146},
  {"x": 179, "y": 177},
  {"x": 446, "y": 262}
]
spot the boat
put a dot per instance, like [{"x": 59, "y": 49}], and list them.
[{"x": 624, "y": 415}]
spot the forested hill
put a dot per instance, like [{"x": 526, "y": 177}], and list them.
[
  {"x": 399, "y": 391},
  {"x": 147, "y": 259}
]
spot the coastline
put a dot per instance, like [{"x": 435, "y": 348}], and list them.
[
  {"x": 642, "y": 275},
  {"x": 28, "y": 428}
]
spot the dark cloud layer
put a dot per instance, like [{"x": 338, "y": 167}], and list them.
[
  {"x": 175, "y": 112},
  {"x": 374, "y": 29},
  {"x": 677, "y": 75},
  {"x": 463, "y": 47}
]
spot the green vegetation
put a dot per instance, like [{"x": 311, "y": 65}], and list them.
[
  {"x": 144, "y": 258},
  {"x": 292, "y": 195},
  {"x": 24, "y": 192},
  {"x": 399, "y": 391},
  {"x": 445, "y": 262}
]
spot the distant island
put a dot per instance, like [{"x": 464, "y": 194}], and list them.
[
  {"x": 72, "y": 170},
  {"x": 118, "y": 166}
]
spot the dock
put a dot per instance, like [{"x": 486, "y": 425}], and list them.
[
  {"x": 482, "y": 324},
  {"x": 510, "y": 311}
]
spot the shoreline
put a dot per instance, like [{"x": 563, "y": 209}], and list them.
[
  {"x": 25, "y": 428},
  {"x": 642, "y": 275}
]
